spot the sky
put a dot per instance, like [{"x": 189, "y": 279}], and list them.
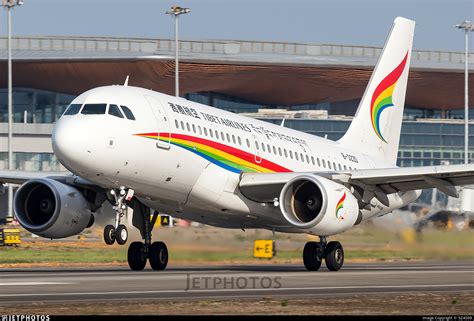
[{"x": 348, "y": 22}]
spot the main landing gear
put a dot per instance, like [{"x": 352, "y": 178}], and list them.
[
  {"x": 139, "y": 252},
  {"x": 117, "y": 232},
  {"x": 315, "y": 252}
]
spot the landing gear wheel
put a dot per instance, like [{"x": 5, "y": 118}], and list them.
[
  {"x": 312, "y": 256},
  {"x": 109, "y": 234},
  {"x": 121, "y": 234},
  {"x": 158, "y": 256},
  {"x": 137, "y": 256},
  {"x": 334, "y": 256}
]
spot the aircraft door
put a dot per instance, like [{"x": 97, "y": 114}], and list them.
[
  {"x": 163, "y": 122},
  {"x": 257, "y": 149}
]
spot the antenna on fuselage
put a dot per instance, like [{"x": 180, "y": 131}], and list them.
[
  {"x": 283, "y": 122},
  {"x": 125, "y": 84}
]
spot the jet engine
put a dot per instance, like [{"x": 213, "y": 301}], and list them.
[
  {"x": 51, "y": 209},
  {"x": 318, "y": 205}
]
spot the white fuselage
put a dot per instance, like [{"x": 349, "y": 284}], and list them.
[{"x": 185, "y": 159}]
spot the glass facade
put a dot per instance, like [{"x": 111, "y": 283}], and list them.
[
  {"x": 33, "y": 105},
  {"x": 32, "y": 162}
]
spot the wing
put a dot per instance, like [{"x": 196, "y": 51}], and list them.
[
  {"x": 19, "y": 177},
  {"x": 367, "y": 183}
]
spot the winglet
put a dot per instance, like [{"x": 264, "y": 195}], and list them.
[{"x": 125, "y": 84}]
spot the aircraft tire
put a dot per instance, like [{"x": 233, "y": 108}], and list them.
[
  {"x": 136, "y": 256},
  {"x": 121, "y": 234},
  {"x": 109, "y": 234},
  {"x": 310, "y": 256},
  {"x": 334, "y": 256},
  {"x": 158, "y": 256}
]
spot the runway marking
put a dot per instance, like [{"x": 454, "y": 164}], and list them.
[
  {"x": 33, "y": 283},
  {"x": 425, "y": 286}
]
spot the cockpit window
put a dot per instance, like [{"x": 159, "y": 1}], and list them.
[
  {"x": 128, "y": 113},
  {"x": 73, "y": 109},
  {"x": 115, "y": 111},
  {"x": 94, "y": 109}
]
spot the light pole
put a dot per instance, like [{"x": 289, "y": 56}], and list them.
[
  {"x": 176, "y": 11},
  {"x": 8, "y": 5},
  {"x": 466, "y": 26}
]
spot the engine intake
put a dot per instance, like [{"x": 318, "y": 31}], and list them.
[
  {"x": 51, "y": 209},
  {"x": 318, "y": 205}
]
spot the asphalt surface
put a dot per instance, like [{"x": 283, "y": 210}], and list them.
[{"x": 229, "y": 282}]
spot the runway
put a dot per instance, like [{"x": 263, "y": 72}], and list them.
[{"x": 56, "y": 285}]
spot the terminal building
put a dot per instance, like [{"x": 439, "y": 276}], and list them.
[{"x": 315, "y": 88}]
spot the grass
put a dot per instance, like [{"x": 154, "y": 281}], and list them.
[{"x": 364, "y": 243}]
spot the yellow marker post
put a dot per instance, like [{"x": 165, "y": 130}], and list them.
[
  {"x": 10, "y": 236},
  {"x": 263, "y": 249}
]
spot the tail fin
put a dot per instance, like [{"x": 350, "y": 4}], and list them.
[{"x": 378, "y": 121}]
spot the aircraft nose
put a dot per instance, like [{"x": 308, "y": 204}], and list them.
[{"x": 70, "y": 143}]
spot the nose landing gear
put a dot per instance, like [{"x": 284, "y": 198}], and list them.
[
  {"x": 118, "y": 232},
  {"x": 315, "y": 252}
]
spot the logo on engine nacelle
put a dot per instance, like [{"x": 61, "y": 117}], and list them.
[{"x": 339, "y": 207}]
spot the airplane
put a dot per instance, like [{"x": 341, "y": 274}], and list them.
[{"x": 136, "y": 148}]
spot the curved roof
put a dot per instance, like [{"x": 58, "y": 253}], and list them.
[{"x": 266, "y": 72}]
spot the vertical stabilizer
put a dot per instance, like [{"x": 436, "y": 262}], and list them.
[{"x": 377, "y": 123}]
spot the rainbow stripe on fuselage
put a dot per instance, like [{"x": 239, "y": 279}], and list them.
[
  {"x": 227, "y": 157},
  {"x": 382, "y": 96}
]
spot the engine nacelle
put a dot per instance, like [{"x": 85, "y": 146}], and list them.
[
  {"x": 318, "y": 205},
  {"x": 51, "y": 209}
]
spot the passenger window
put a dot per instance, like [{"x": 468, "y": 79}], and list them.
[
  {"x": 73, "y": 109},
  {"x": 233, "y": 139},
  {"x": 291, "y": 154},
  {"x": 279, "y": 151},
  {"x": 263, "y": 146},
  {"x": 176, "y": 124},
  {"x": 222, "y": 136},
  {"x": 324, "y": 163},
  {"x": 256, "y": 145},
  {"x": 268, "y": 148},
  {"x": 296, "y": 156},
  {"x": 334, "y": 164},
  {"x": 199, "y": 130},
  {"x": 339, "y": 166},
  {"x": 228, "y": 137},
  {"x": 188, "y": 127},
  {"x": 248, "y": 143},
  {"x": 302, "y": 157},
  {"x": 115, "y": 111},
  {"x": 329, "y": 165},
  {"x": 319, "y": 163},
  {"x": 240, "y": 141},
  {"x": 312, "y": 159},
  {"x": 345, "y": 167},
  {"x": 286, "y": 154},
  {"x": 128, "y": 113},
  {"x": 94, "y": 109},
  {"x": 194, "y": 128},
  {"x": 205, "y": 131},
  {"x": 274, "y": 150},
  {"x": 182, "y": 125},
  {"x": 217, "y": 134},
  {"x": 211, "y": 133}
]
